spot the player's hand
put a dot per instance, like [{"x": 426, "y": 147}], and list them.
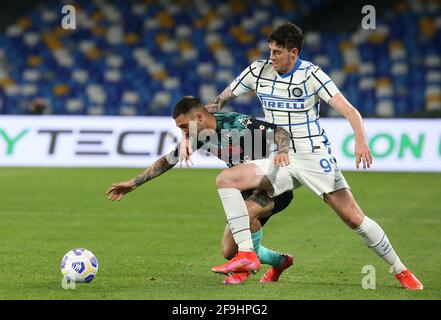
[
  {"x": 281, "y": 159},
  {"x": 212, "y": 107},
  {"x": 118, "y": 190},
  {"x": 362, "y": 154},
  {"x": 185, "y": 151}
]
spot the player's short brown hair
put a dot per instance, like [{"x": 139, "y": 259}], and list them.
[
  {"x": 287, "y": 35},
  {"x": 186, "y": 104}
]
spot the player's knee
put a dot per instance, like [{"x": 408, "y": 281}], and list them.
[
  {"x": 355, "y": 221},
  {"x": 225, "y": 180},
  {"x": 346, "y": 207},
  {"x": 353, "y": 217}
]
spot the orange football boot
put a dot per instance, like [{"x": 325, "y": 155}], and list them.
[
  {"x": 409, "y": 281},
  {"x": 273, "y": 273},
  {"x": 237, "y": 278},
  {"x": 243, "y": 261}
]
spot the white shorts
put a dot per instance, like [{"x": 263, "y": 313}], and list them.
[{"x": 317, "y": 171}]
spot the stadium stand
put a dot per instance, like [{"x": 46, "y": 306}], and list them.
[{"x": 139, "y": 58}]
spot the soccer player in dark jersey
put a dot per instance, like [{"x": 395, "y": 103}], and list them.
[{"x": 234, "y": 138}]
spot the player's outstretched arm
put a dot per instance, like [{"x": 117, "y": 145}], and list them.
[
  {"x": 362, "y": 151},
  {"x": 217, "y": 103},
  {"x": 118, "y": 190},
  {"x": 281, "y": 139}
]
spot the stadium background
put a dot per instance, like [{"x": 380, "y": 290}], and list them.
[
  {"x": 138, "y": 58},
  {"x": 123, "y": 69}
]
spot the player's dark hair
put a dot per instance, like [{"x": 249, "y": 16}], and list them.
[
  {"x": 287, "y": 35},
  {"x": 185, "y": 105}
]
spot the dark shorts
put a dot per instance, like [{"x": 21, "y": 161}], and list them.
[{"x": 280, "y": 203}]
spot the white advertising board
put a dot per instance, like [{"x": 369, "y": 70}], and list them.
[{"x": 76, "y": 141}]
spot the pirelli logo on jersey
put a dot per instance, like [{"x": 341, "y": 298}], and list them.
[{"x": 274, "y": 103}]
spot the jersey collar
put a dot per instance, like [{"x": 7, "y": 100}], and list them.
[{"x": 286, "y": 75}]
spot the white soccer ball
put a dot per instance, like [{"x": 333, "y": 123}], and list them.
[{"x": 79, "y": 265}]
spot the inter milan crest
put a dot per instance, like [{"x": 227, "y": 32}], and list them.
[{"x": 297, "y": 92}]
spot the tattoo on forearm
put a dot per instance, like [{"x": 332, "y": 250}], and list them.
[
  {"x": 222, "y": 99},
  {"x": 282, "y": 138},
  {"x": 156, "y": 169}
]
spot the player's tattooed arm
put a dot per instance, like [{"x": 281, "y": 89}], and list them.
[
  {"x": 118, "y": 190},
  {"x": 156, "y": 169},
  {"x": 282, "y": 139},
  {"x": 217, "y": 103}
]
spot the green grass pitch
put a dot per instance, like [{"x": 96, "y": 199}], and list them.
[{"x": 160, "y": 241}]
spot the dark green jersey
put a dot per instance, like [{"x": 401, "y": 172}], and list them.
[{"x": 238, "y": 138}]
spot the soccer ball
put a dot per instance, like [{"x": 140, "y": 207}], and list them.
[{"x": 79, "y": 265}]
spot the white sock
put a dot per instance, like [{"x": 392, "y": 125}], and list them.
[
  {"x": 237, "y": 217},
  {"x": 376, "y": 239}
]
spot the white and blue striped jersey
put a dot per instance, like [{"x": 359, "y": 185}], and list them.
[{"x": 292, "y": 100}]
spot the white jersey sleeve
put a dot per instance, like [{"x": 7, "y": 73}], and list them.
[
  {"x": 246, "y": 81},
  {"x": 323, "y": 85},
  {"x": 290, "y": 100}
]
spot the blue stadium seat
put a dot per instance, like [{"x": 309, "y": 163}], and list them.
[{"x": 158, "y": 42}]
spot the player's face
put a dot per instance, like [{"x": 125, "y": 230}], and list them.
[
  {"x": 188, "y": 123},
  {"x": 283, "y": 59},
  {"x": 183, "y": 122}
]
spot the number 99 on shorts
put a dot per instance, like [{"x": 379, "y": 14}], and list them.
[{"x": 328, "y": 164}]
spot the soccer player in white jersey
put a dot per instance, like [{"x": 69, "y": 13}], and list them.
[{"x": 290, "y": 90}]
